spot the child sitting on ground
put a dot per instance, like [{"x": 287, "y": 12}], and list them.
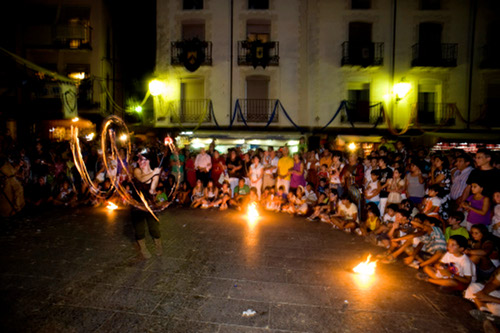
[
  {"x": 321, "y": 207},
  {"x": 454, "y": 227},
  {"x": 390, "y": 214},
  {"x": 322, "y": 186},
  {"x": 430, "y": 244},
  {"x": 432, "y": 203},
  {"x": 347, "y": 215},
  {"x": 455, "y": 270},
  {"x": 372, "y": 222}
]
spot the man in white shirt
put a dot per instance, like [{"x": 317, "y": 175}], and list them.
[
  {"x": 202, "y": 165},
  {"x": 270, "y": 167}
]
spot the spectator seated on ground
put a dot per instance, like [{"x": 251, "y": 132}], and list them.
[
  {"x": 397, "y": 237},
  {"x": 386, "y": 225},
  {"x": 454, "y": 228},
  {"x": 326, "y": 205},
  {"x": 161, "y": 197},
  {"x": 182, "y": 194},
  {"x": 347, "y": 215},
  {"x": 455, "y": 270},
  {"x": 432, "y": 203},
  {"x": 483, "y": 252},
  {"x": 310, "y": 194},
  {"x": 211, "y": 195},
  {"x": 241, "y": 191},
  {"x": 486, "y": 297},
  {"x": 428, "y": 248},
  {"x": 65, "y": 196},
  {"x": 224, "y": 196},
  {"x": 198, "y": 194},
  {"x": 40, "y": 194},
  {"x": 372, "y": 222}
]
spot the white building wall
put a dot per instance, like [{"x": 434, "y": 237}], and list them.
[{"x": 310, "y": 81}]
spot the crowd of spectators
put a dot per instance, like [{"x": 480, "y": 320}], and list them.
[{"x": 439, "y": 212}]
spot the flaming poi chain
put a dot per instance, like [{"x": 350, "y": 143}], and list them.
[{"x": 110, "y": 151}]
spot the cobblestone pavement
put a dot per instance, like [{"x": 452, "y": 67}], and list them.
[{"x": 78, "y": 271}]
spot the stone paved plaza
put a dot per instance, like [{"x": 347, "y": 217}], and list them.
[{"x": 77, "y": 270}]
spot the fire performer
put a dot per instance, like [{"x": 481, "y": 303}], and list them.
[{"x": 146, "y": 178}]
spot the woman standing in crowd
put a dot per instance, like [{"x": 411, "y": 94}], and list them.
[{"x": 297, "y": 173}]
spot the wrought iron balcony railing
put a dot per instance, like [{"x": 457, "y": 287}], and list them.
[
  {"x": 257, "y": 53},
  {"x": 362, "y": 112},
  {"x": 257, "y": 110},
  {"x": 362, "y": 54},
  {"x": 65, "y": 36},
  {"x": 434, "y": 55},
  {"x": 181, "y": 51},
  {"x": 190, "y": 111},
  {"x": 435, "y": 114},
  {"x": 490, "y": 56}
]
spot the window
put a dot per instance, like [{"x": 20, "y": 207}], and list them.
[
  {"x": 192, "y": 104},
  {"x": 258, "y": 4},
  {"x": 192, "y": 4},
  {"x": 258, "y": 107},
  {"x": 493, "y": 104},
  {"x": 193, "y": 29},
  {"x": 358, "y": 95},
  {"x": 429, "y": 102},
  {"x": 258, "y": 30},
  {"x": 430, "y": 4},
  {"x": 361, "y": 4}
]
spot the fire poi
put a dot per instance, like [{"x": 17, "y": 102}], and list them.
[
  {"x": 110, "y": 152},
  {"x": 367, "y": 267}
]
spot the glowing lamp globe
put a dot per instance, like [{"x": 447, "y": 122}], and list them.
[
  {"x": 401, "y": 90},
  {"x": 156, "y": 87}
]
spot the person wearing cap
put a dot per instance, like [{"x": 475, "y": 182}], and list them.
[{"x": 146, "y": 178}]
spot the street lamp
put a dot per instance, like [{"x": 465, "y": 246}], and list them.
[
  {"x": 157, "y": 87},
  {"x": 401, "y": 89}
]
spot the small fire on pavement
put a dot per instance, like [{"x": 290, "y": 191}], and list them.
[
  {"x": 366, "y": 267},
  {"x": 111, "y": 206}
]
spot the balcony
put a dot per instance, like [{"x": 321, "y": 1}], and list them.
[
  {"x": 490, "y": 57},
  {"x": 191, "y": 53},
  {"x": 190, "y": 111},
  {"x": 257, "y": 110},
  {"x": 362, "y": 54},
  {"x": 442, "y": 114},
  {"x": 362, "y": 112},
  {"x": 257, "y": 53},
  {"x": 75, "y": 36},
  {"x": 434, "y": 55}
]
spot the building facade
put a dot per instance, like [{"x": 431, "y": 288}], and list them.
[
  {"x": 426, "y": 65},
  {"x": 64, "y": 54}
]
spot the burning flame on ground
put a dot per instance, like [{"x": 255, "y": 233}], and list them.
[
  {"x": 111, "y": 206},
  {"x": 253, "y": 213},
  {"x": 367, "y": 267}
]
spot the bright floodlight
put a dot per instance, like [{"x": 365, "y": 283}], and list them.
[
  {"x": 352, "y": 146},
  {"x": 75, "y": 119},
  {"x": 401, "y": 90},
  {"x": 138, "y": 108},
  {"x": 156, "y": 87}
]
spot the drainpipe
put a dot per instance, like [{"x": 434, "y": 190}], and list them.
[
  {"x": 231, "y": 47},
  {"x": 472, "y": 34},
  {"x": 393, "y": 65}
]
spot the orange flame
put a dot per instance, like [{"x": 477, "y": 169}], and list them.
[
  {"x": 367, "y": 267},
  {"x": 111, "y": 206},
  {"x": 253, "y": 213}
]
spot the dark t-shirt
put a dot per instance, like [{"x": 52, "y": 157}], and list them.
[
  {"x": 488, "y": 179},
  {"x": 385, "y": 175},
  {"x": 236, "y": 162}
]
